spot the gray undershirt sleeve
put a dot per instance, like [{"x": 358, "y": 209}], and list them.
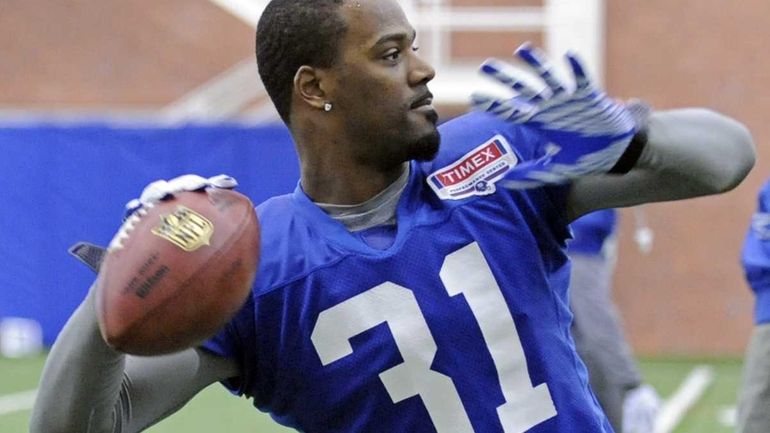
[
  {"x": 87, "y": 387},
  {"x": 690, "y": 152}
]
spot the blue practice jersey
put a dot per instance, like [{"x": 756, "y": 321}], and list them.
[
  {"x": 460, "y": 325},
  {"x": 755, "y": 256},
  {"x": 591, "y": 231}
]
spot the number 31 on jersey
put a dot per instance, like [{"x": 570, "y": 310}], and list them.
[{"x": 465, "y": 272}]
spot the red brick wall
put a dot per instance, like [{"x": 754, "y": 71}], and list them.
[
  {"x": 689, "y": 295},
  {"x": 95, "y": 53}
]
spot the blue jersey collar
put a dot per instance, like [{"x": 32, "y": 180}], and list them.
[{"x": 335, "y": 232}]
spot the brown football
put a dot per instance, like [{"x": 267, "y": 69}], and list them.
[{"x": 178, "y": 271}]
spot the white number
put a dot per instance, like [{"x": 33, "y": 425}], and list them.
[
  {"x": 464, "y": 272},
  {"x": 397, "y": 306}
]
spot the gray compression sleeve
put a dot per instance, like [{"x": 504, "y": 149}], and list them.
[
  {"x": 86, "y": 387},
  {"x": 690, "y": 152}
]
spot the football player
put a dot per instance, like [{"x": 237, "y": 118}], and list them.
[
  {"x": 754, "y": 395},
  {"x": 630, "y": 405},
  {"x": 415, "y": 280}
]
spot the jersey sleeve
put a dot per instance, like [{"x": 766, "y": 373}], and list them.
[
  {"x": 468, "y": 131},
  {"x": 257, "y": 325},
  {"x": 477, "y": 150},
  {"x": 231, "y": 342}
]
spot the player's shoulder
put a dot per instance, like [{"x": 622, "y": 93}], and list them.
[
  {"x": 475, "y": 131},
  {"x": 476, "y": 151},
  {"x": 465, "y": 132},
  {"x": 275, "y": 207},
  {"x": 276, "y": 217},
  {"x": 291, "y": 245}
]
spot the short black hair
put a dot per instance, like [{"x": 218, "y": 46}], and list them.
[{"x": 293, "y": 33}]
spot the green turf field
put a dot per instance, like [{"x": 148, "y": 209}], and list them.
[{"x": 216, "y": 410}]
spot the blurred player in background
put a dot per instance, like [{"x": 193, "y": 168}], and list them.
[
  {"x": 408, "y": 284},
  {"x": 630, "y": 405},
  {"x": 754, "y": 396}
]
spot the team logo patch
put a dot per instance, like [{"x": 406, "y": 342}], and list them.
[
  {"x": 476, "y": 172},
  {"x": 185, "y": 228}
]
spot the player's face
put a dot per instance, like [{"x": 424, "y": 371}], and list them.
[{"x": 381, "y": 85}]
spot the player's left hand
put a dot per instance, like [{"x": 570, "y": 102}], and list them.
[{"x": 587, "y": 131}]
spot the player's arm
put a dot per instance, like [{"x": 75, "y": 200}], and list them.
[
  {"x": 611, "y": 158},
  {"x": 87, "y": 387},
  {"x": 689, "y": 153}
]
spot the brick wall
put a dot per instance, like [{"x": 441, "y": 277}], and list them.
[
  {"x": 689, "y": 295},
  {"x": 97, "y": 53}
]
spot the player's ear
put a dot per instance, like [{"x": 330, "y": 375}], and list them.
[{"x": 308, "y": 85}]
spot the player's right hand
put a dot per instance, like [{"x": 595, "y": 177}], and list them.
[
  {"x": 166, "y": 189},
  {"x": 160, "y": 190},
  {"x": 586, "y": 132}
]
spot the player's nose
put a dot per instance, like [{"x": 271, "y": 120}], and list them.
[{"x": 421, "y": 71}]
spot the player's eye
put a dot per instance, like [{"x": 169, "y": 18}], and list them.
[{"x": 392, "y": 54}]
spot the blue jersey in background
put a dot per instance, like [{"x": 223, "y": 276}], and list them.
[
  {"x": 755, "y": 256},
  {"x": 590, "y": 231}
]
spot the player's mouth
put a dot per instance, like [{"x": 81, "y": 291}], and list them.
[{"x": 423, "y": 102}]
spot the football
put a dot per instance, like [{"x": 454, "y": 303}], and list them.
[{"x": 178, "y": 271}]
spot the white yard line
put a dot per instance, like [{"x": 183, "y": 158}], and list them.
[
  {"x": 689, "y": 392},
  {"x": 17, "y": 402}
]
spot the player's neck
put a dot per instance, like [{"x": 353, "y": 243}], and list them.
[
  {"x": 332, "y": 168},
  {"x": 351, "y": 185}
]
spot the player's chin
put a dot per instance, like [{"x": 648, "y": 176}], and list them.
[
  {"x": 426, "y": 147},
  {"x": 425, "y": 139}
]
